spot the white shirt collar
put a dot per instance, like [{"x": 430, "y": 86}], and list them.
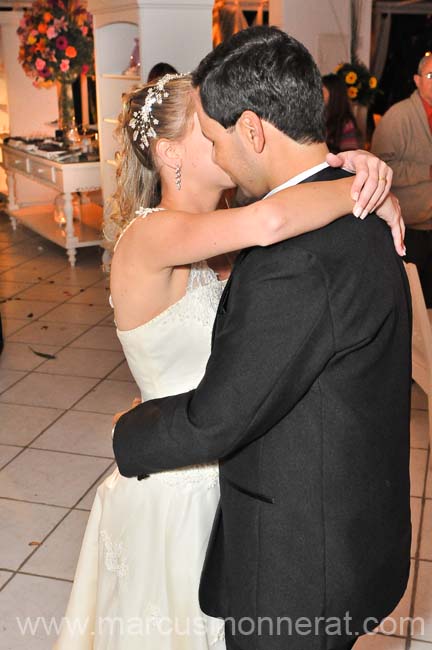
[{"x": 298, "y": 179}]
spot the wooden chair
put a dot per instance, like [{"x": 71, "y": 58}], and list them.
[{"x": 421, "y": 340}]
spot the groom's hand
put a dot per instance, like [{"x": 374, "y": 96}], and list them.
[{"x": 373, "y": 178}]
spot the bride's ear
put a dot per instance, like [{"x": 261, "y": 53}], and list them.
[{"x": 169, "y": 153}]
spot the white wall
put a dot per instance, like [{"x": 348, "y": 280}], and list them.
[{"x": 324, "y": 27}]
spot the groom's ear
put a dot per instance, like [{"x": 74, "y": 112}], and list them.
[{"x": 251, "y": 129}]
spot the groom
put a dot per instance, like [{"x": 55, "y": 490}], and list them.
[{"x": 306, "y": 395}]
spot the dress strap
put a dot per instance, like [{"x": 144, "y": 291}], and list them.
[{"x": 140, "y": 213}]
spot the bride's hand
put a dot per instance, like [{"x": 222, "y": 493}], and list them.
[
  {"x": 372, "y": 182},
  {"x": 390, "y": 211},
  {"x": 117, "y": 416}
]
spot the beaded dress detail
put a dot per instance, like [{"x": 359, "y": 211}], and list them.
[{"x": 145, "y": 542}]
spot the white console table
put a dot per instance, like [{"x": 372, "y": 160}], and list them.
[{"x": 66, "y": 178}]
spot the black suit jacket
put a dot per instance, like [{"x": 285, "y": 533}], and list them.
[{"x": 306, "y": 401}]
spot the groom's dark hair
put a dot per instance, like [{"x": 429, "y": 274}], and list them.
[{"x": 264, "y": 70}]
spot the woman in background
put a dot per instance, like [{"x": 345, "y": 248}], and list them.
[{"x": 342, "y": 131}]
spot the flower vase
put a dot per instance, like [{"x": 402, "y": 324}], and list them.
[{"x": 66, "y": 107}]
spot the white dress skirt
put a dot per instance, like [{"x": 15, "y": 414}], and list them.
[{"x": 137, "y": 578}]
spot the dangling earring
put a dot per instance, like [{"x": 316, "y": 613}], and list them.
[{"x": 178, "y": 177}]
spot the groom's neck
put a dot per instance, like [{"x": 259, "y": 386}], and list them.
[{"x": 286, "y": 158}]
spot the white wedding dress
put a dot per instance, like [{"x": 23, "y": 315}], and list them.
[{"x": 136, "y": 583}]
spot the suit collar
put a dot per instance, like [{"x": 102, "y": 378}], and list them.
[{"x": 299, "y": 178}]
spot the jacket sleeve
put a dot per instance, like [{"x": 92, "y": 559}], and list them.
[
  {"x": 393, "y": 134},
  {"x": 272, "y": 344}
]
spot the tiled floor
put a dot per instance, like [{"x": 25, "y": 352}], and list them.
[{"x": 55, "y": 440}]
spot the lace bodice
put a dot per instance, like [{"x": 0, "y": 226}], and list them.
[{"x": 168, "y": 354}]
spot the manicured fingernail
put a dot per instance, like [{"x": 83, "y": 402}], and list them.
[
  {"x": 364, "y": 214},
  {"x": 404, "y": 251},
  {"x": 357, "y": 211}
]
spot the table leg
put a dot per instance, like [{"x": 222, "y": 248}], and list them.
[
  {"x": 12, "y": 205},
  {"x": 70, "y": 233}
]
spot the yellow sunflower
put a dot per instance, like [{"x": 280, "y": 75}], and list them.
[
  {"x": 373, "y": 82},
  {"x": 352, "y": 92},
  {"x": 351, "y": 78}
]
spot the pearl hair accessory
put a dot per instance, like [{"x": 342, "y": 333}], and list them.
[{"x": 143, "y": 121}]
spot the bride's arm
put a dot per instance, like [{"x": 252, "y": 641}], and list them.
[{"x": 167, "y": 239}]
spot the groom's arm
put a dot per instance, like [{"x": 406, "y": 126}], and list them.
[{"x": 275, "y": 340}]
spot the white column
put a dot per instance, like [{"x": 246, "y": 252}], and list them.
[
  {"x": 176, "y": 31},
  {"x": 324, "y": 27}
]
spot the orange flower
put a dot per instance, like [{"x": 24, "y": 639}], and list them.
[
  {"x": 47, "y": 16},
  {"x": 71, "y": 52},
  {"x": 351, "y": 77},
  {"x": 373, "y": 82},
  {"x": 42, "y": 28},
  {"x": 31, "y": 39},
  {"x": 352, "y": 92}
]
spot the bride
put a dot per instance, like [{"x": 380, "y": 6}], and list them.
[{"x": 136, "y": 583}]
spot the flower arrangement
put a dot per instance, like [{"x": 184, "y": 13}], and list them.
[
  {"x": 56, "y": 41},
  {"x": 361, "y": 85}
]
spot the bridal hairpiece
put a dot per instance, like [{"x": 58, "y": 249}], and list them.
[{"x": 143, "y": 121}]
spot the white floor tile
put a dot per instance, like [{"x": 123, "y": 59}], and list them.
[
  {"x": 22, "y": 524},
  {"x": 419, "y": 429},
  {"x": 28, "y": 309},
  {"x": 7, "y": 452},
  {"x": 418, "y": 471},
  {"x": 380, "y": 642},
  {"x": 429, "y": 480},
  {"x": 48, "y": 333},
  {"x": 20, "y": 356},
  {"x": 418, "y": 398},
  {"x": 38, "y": 389},
  {"x": 426, "y": 533},
  {"x": 10, "y": 377},
  {"x": 122, "y": 373},
  {"x": 9, "y": 289},
  {"x": 416, "y": 506},
  {"x": 79, "y": 432},
  {"x": 19, "y": 425},
  {"x": 50, "y": 477},
  {"x": 49, "y": 292},
  {"x": 4, "y": 577},
  {"x": 80, "y": 277},
  {"x": 420, "y": 645},
  {"x": 109, "y": 397},
  {"x": 423, "y": 602},
  {"x": 108, "y": 321},
  {"x": 77, "y": 313},
  {"x": 11, "y": 325},
  {"x": 83, "y": 363},
  {"x": 92, "y": 296},
  {"x": 22, "y": 273},
  {"x": 87, "y": 501},
  {"x": 98, "y": 338},
  {"x": 58, "y": 555},
  {"x": 32, "y": 598}
]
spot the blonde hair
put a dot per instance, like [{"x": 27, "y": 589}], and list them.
[{"x": 138, "y": 179}]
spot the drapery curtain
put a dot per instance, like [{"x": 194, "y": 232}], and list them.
[
  {"x": 380, "y": 42},
  {"x": 228, "y": 19}
]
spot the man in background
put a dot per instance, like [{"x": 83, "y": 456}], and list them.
[{"x": 403, "y": 138}]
